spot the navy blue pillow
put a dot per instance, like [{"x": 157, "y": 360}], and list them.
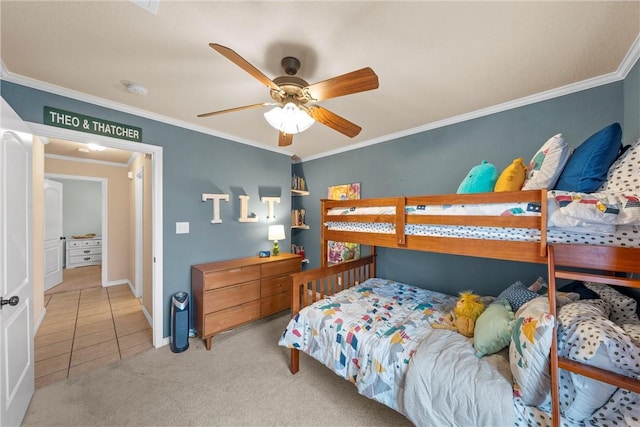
[
  {"x": 587, "y": 167},
  {"x": 579, "y": 288},
  {"x": 517, "y": 294}
]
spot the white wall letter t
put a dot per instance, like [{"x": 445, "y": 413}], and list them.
[
  {"x": 216, "y": 205},
  {"x": 270, "y": 201}
]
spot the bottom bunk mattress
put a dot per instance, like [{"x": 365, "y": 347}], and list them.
[
  {"x": 379, "y": 336},
  {"x": 370, "y": 335}
]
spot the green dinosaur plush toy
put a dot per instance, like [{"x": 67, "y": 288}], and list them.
[{"x": 480, "y": 179}]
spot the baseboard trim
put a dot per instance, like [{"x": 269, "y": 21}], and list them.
[
  {"x": 118, "y": 282},
  {"x": 39, "y": 321},
  {"x": 147, "y": 315}
]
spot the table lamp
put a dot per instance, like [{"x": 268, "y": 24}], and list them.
[{"x": 276, "y": 232}]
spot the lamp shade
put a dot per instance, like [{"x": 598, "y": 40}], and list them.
[
  {"x": 276, "y": 232},
  {"x": 289, "y": 119}
]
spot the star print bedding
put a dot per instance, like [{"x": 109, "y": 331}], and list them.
[
  {"x": 368, "y": 333},
  {"x": 371, "y": 334},
  {"x": 378, "y": 336}
]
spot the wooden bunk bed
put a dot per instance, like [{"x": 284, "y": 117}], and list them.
[
  {"x": 596, "y": 264},
  {"x": 527, "y": 251},
  {"x": 314, "y": 285}
]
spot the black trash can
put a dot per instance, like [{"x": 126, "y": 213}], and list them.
[{"x": 179, "y": 322}]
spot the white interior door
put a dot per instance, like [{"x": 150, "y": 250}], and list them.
[
  {"x": 139, "y": 208},
  {"x": 53, "y": 238},
  {"x": 16, "y": 287}
]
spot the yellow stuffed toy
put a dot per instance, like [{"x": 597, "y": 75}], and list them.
[
  {"x": 513, "y": 177},
  {"x": 464, "y": 315}
]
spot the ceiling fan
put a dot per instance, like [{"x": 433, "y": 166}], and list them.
[{"x": 295, "y": 99}]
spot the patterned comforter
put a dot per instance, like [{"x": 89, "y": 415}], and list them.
[
  {"x": 378, "y": 336},
  {"x": 368, "y": 334}
]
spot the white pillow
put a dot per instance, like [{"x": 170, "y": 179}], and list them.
[
  {"x": 529, "y": 351},
  {"x": 546, "y": 165},
  {"x": 624, "y": 173}
]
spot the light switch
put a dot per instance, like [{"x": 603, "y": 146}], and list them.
[{"x": 182, "y": 227}]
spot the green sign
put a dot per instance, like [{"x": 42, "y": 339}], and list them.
[{"x": 82, "y": 123}]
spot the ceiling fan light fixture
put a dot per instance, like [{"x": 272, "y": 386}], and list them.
[{"x": 289, "y": 119}]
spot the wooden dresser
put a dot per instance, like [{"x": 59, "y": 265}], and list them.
[{"x": 229, "y": 293}]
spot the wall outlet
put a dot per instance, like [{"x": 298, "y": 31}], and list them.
[{"x": 182, "y": 228}]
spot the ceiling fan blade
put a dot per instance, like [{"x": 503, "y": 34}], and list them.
[
  {"x": 285, "y": 139},
  {"x": 346, "y": 84},
  {"x": 246, "y": 107},
  {"x": 333, "y": 120},
  {"x": 232, "y": 56}
]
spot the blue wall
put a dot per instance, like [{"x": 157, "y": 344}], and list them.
[
  {"x": 436, "y": 161},
  {"x": 194, "y": 163},
  {"x": 632, "y": 105},
  {"x": 81, "y": 207}
]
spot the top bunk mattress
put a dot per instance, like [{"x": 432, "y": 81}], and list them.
[{"x": 597, "y": 218}]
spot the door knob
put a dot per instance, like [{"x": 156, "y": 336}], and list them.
[{"x": 14, "y": 300}]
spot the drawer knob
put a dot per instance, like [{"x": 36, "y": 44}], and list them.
[
  {"x": 87, "y": 258},
  {"x": 86, "y": 251}
]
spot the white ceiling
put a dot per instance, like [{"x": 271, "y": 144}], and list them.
[
  {"x": 78, "y": 150},
  {"x": 437, "y": 62}
]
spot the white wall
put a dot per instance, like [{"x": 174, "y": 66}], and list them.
[{"x": 82, "y": 207}]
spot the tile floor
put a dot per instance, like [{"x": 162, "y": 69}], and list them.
[{"x": 86, "y": 329}]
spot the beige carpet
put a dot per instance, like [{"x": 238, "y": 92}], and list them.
[{"x": 243, "y": 381}]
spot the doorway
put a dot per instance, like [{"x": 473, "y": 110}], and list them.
[
  {"x": 90, "y": 209},
  {"x": 155, "y": 153}
]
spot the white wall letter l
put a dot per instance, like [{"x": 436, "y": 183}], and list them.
[{"x": 244, "y": 202}]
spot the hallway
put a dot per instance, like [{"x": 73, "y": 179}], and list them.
[{"x": 87, "y": 328}]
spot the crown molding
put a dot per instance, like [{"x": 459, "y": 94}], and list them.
[
  {"x": 5, "y": 74},
  {"x": 630, "y": 59},
  {"x": 625, "y": 67},
  {"x": 521, "y": 102}
]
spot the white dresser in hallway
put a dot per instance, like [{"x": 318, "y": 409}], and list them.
[{"x": 82, "y": 252}]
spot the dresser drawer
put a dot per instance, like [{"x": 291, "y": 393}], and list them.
[
  {"x": 89, "y": 250},
  {"x": 85, "y": 258},
  {"x": 222, "y": 298},
  {"x": 275, "y": 285},
  {"x": 83, "y": 243},
  {"x": 230, "y": 317},
  {"x": 275, "y": 303},
  {"x": 278, "y": 268},
  {"x": 222, "y": 278}
]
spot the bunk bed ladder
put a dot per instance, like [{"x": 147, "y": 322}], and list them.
[{"x": 564, "y": 253}]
